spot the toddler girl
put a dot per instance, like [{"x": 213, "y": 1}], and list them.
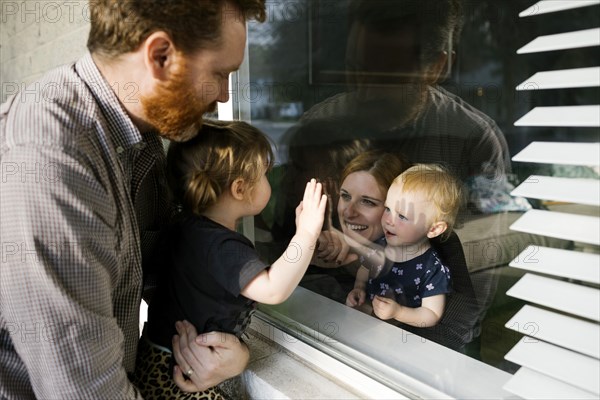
[{"x": 212, "y": 275}]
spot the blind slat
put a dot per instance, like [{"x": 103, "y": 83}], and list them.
[
  {"x": 563, "y": 41},
  {"x": 566, "y": 116},
  {"x": 558, "y": 262},
  {"x": 563, "y": 79},
  {"x": 580, "y": 228},
  {"x": 579, "y": 191},
  {"x": 582, "y": 336},
  {"x": 565, "y": 365},
  {"x": 529, "y": 384},
  {"x": 585, "y": 154},
  {"x": 563, "y": 296},
  {"x": 550, "y": 6}
]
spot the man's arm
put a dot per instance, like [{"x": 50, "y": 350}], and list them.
[
  {"x": 59, "y": 275},
  {"x": 489, "y": 157}
]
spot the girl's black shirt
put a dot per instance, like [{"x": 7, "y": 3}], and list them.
[{"x": 204, "y": 267}]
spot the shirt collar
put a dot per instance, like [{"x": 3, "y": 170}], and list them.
[{"x": 124, "y": 132}]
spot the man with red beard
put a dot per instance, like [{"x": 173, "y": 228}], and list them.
[{"x": 83, "y": 197}]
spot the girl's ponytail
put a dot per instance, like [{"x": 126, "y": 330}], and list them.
[
  {"x": 203, "y": 168},
  {"x": 202, "y": 191}
]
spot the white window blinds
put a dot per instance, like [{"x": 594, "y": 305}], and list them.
[{"x": 560, "y": 352}]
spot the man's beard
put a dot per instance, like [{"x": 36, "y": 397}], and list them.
[{"x": 175, "y": 110}]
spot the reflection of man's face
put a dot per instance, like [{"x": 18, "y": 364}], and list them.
[
  {"x": 176, "y": 107},
  {"x": 381, "y": 57},
  {"x": 384, "y": 70}
]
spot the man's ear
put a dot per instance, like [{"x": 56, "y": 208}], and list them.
[
  {"x": 160, "y": 55},
  {"x": 436, "y": 229},
  {"x": 238, "y": 189}
]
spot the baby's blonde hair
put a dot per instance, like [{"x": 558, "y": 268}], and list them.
[
  {"x": 439, "y": 186},
  {"x": 201, "y": 169}
]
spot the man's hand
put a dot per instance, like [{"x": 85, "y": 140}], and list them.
[
  {"x": 211, "y": 357},
  {"x": 385, "y": 308}
]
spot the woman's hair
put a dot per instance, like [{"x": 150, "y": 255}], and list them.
[
  {"x": 200, "y": 170},
  {"x": 120, "y": 26},
  {"x": 439, "y": 186},
  {"x": 384, "y": 167}
]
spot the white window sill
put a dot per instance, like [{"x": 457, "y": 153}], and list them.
[
  {"x": 274, "y": 373},
  {"x": 299, "y": 358},
  {"x": 401, "y": 364}
]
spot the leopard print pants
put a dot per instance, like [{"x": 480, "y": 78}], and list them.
[{"x": 153, "y": 376}]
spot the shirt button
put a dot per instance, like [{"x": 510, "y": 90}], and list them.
[{"x": 120, "y": 149}]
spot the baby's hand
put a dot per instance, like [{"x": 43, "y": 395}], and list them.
[
  {"x": 331, "y": 247},
  {"x": 356, "y": 298},
  {"x": 311, "y": 211},
  {"x": 385, "y": 308}
]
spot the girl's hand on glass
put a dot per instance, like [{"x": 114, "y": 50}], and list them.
[
  {"x": 385, "y": 308},
  {"x": 356, "y": 297},
  {"x": 310, "y": 213}
]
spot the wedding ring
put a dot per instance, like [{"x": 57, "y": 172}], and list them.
[{"x": 189, "y": 373}]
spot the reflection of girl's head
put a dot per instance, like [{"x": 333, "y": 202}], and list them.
[
  {"x": 364, "y": 184},
  {"x": 384, "y": 167},
  {"x": 200, "y": 170}
]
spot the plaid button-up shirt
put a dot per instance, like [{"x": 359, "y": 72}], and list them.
[{"x": 81, "y": 199}]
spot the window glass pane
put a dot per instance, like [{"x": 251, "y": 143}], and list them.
[{"x": 331, "y": 81}]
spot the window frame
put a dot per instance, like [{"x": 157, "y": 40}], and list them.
[
  {"x": 412, "y": 367},
  {"x": 377, "y": 373}
]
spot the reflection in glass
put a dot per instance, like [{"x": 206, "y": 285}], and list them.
[{"x": 420, "y": 80}]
